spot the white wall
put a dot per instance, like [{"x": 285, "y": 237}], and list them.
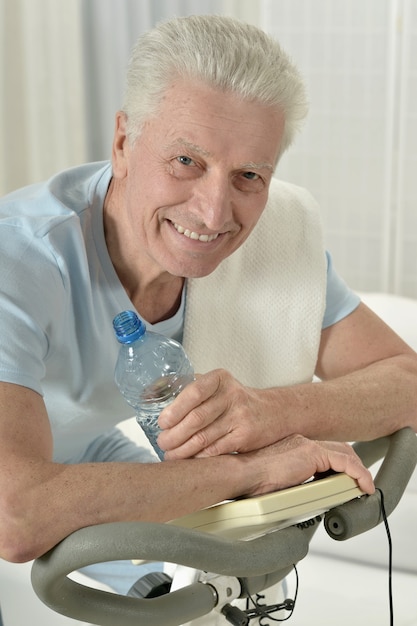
[{"x": 357, "y": 153}]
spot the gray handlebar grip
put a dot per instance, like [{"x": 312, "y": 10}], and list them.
[
  {"x": 155, "y": 542},
  {"x": 360, "y": 515}
]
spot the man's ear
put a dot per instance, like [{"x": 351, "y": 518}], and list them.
[{"x": 120, "y": 148}]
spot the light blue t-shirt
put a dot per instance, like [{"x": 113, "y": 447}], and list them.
[
  {"x": 59, "y": 293},
  {"x": 340, "y": 299}
]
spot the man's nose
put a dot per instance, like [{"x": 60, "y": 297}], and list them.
[{"x": 215, "y": 201}]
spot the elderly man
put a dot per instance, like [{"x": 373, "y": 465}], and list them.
[{"x": 188, "y": 226}]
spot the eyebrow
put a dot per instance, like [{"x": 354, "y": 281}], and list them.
[
  {"x": 190, "y": 146},
  {"x": 198, "y": 150},
  {"x": 257, "y": 166}
]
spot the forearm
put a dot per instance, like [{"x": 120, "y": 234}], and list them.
[
  {"x": 56, "y": 500},
  {"x": 59, "y": 499},
  {"x": 363, "y": 405}
]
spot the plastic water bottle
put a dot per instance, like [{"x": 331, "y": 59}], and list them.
[{"x": 150, "y": 372}]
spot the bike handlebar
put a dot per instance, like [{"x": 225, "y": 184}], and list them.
[{"x": 255, "y": 560}]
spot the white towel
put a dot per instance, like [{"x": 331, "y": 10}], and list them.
[{"x": 259, "y": 314}]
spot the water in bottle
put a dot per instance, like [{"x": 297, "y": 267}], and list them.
[{"x": 150, "y": 372}]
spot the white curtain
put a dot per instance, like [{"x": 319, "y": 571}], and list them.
[
  {"x": 42, "y": 112},
  {"x": 62, "y": 67}
]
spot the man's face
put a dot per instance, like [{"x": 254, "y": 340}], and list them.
[{"x": 195, "y": 182}]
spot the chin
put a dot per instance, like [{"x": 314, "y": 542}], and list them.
[
  {"x": 195, "y": 271},
  {"x": 192, "y": 267}
]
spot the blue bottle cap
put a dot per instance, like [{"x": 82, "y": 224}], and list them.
[{"x": 128, "y": 327}]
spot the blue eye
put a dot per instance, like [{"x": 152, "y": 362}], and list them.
[
  {"x": 251, "y": 175},
  {"x": 185, "y": 160}
]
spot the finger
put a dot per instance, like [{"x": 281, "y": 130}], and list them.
[
  {"x": 362, "y": 475},
  {"x": 192, "y": 412},
  {"x": 205, "y": 387},
  {"x": 198, "y": 425},
  {"x": 208, "y": 441},
  {"x": 350, "y": 464},
  {"x": 224, "y": 445},
  {"x": 189, "y": 398}
]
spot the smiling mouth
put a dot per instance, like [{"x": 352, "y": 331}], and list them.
[{"x": 193, "y": 235}]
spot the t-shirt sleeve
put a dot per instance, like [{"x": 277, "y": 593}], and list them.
[
  {"x": 340, "y": 299},
  {"x": 31, "y": 297}
]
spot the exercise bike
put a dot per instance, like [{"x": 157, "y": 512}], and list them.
[{"x": 224, "y": 553}]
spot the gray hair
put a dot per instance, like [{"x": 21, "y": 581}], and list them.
[{"x": 223, "y": 53}]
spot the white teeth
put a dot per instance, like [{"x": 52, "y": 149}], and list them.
[{"x": 192, "y": 235}]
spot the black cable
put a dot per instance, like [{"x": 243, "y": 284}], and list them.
[
  {"x": 263, "y": 611},
  {"x": 387, "y": 529}
]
